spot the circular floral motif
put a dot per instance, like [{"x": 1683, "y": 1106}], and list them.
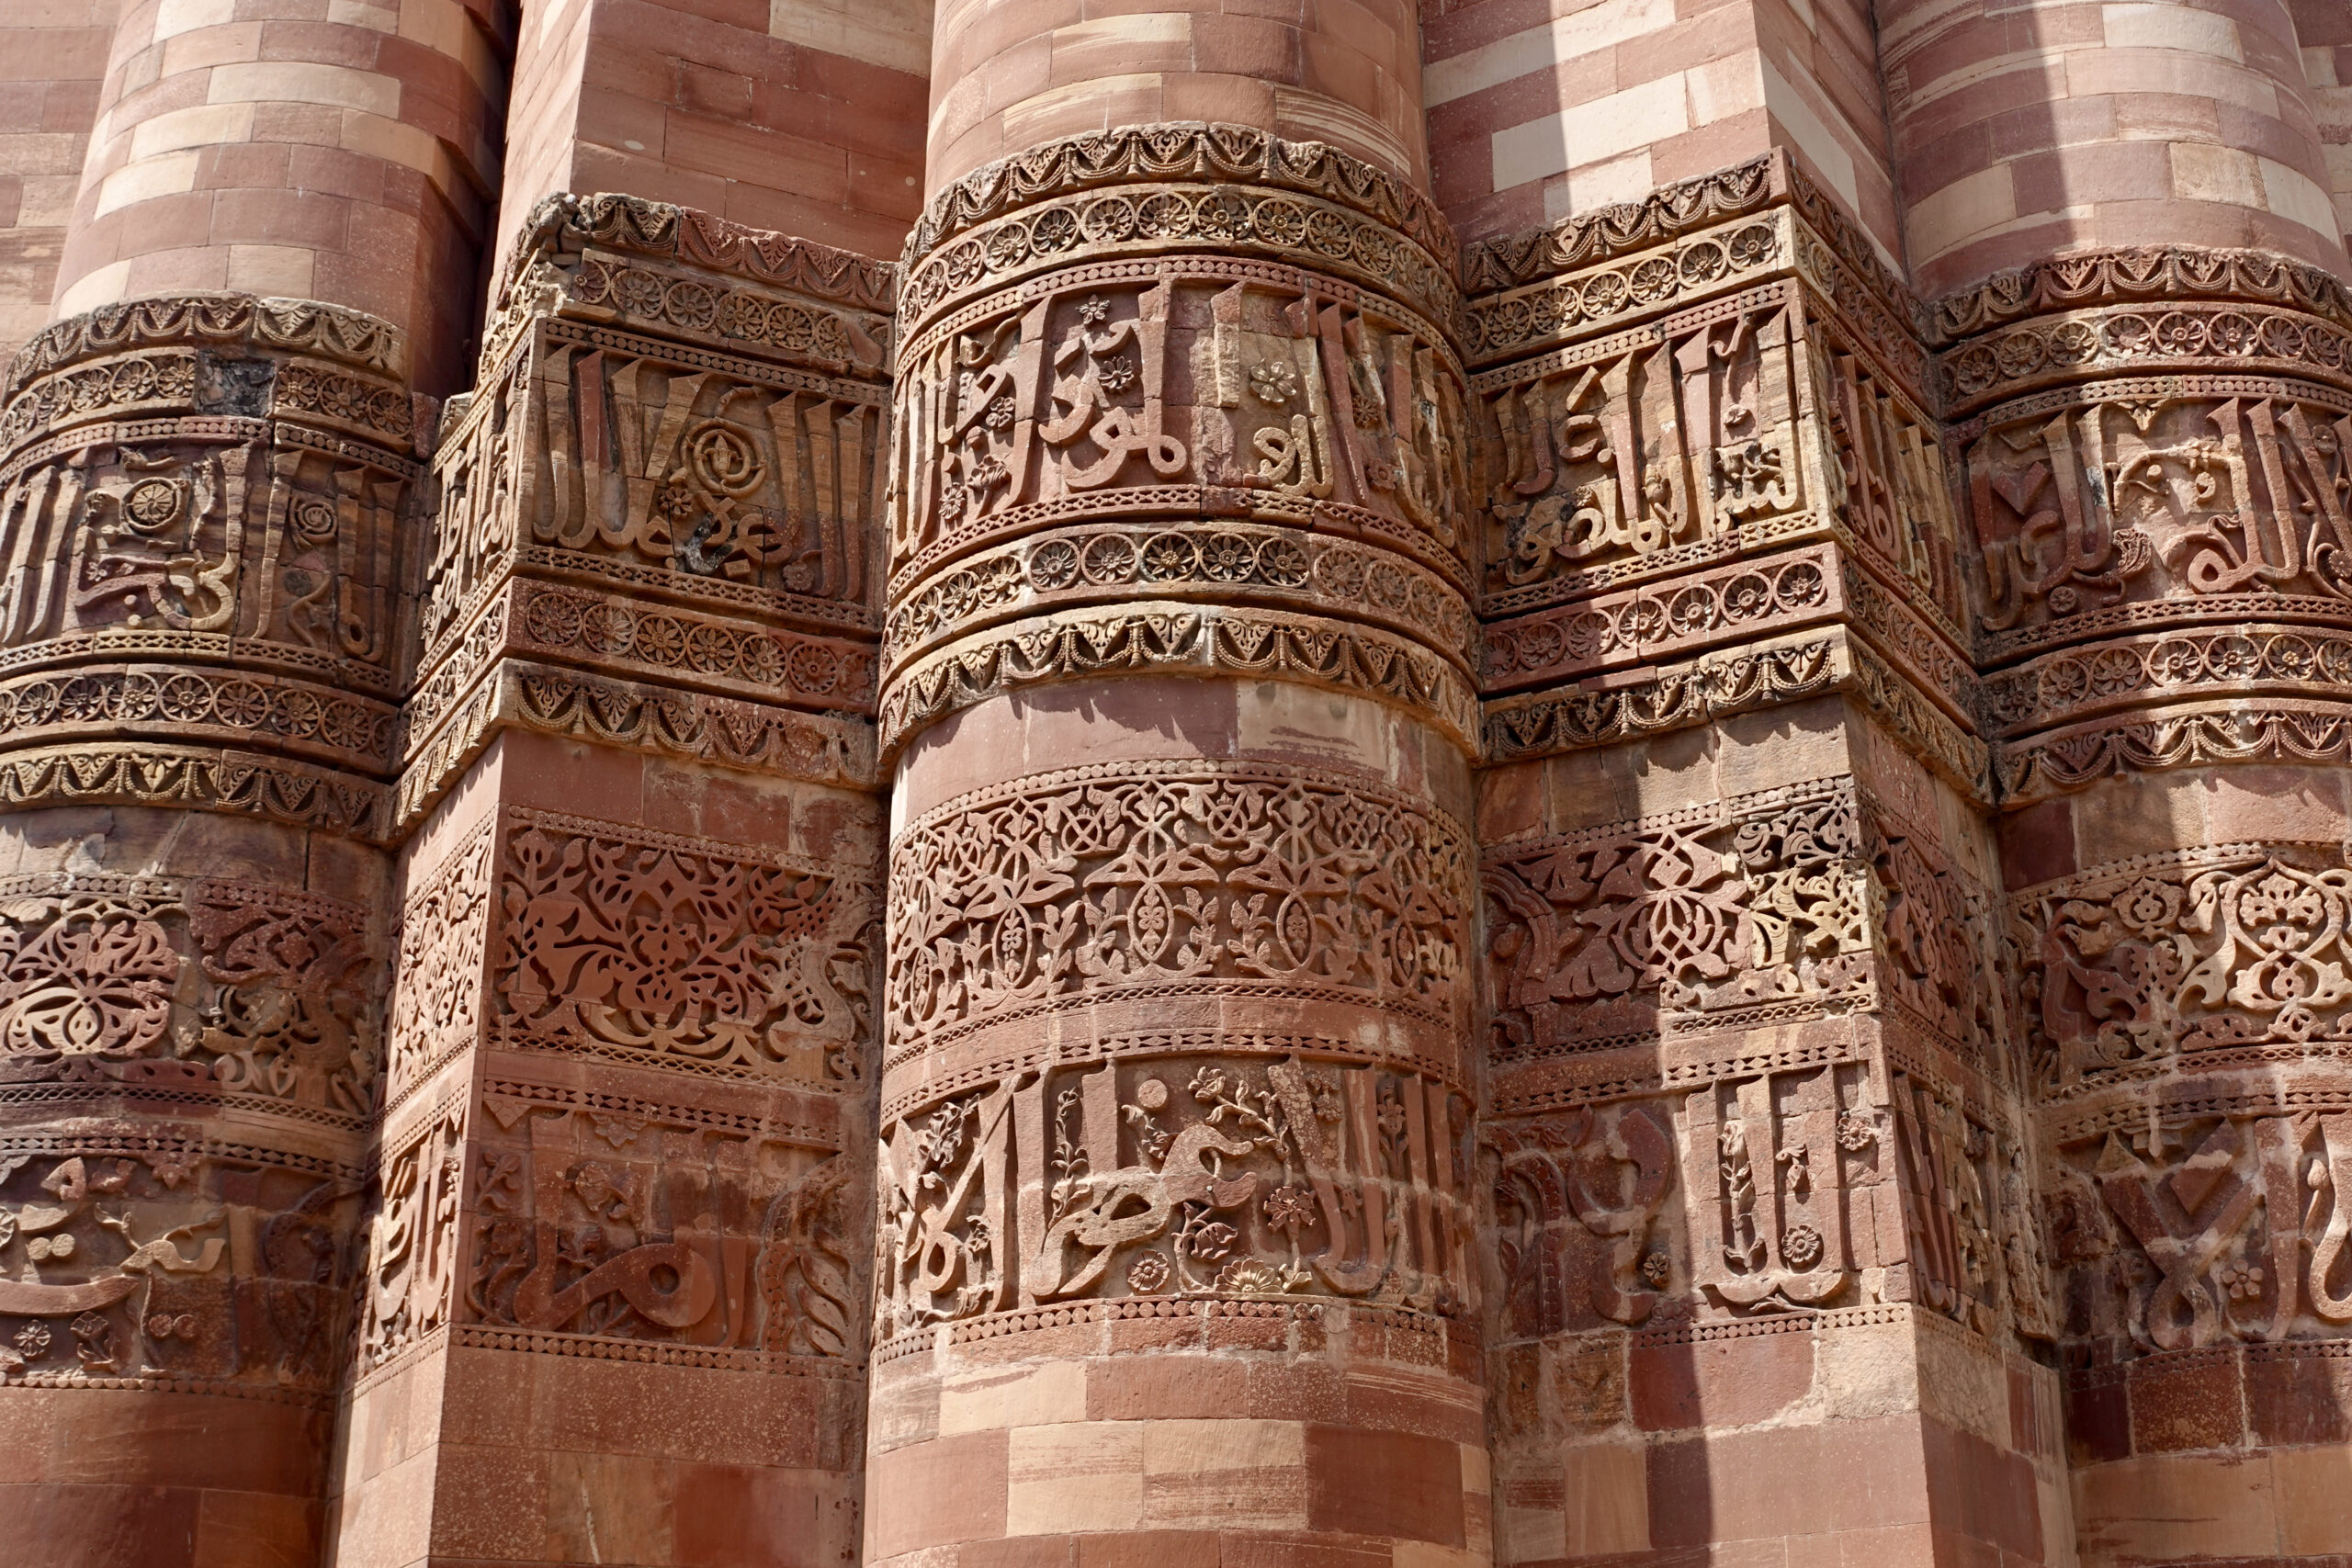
[
  {"x": 660, "y": 639},
  {"x": 242, "y": 703},
  {"x": 1147, "y": 1273},
  {"x": 1108, "y": 220},
  {"x": 33, "y": 1340},
  {"x": 1280, "y": 222},
  {"x": 2179, "y": 333},
  {"x": 2231, "y": 333},
  {"x": 1163, "y": 215},
  {"x": 1053, "y": 564},
  {"x": 82, "y": 700},
  {"x": 691, "y": 306},
  {"x": 152, "y": 503},
  {"x": 813, "y": 668},
  {"x": 553, "y": 619},
  {"x": 135, "y": 698},
  {"x": 1056, "y": 229},
  {"x": 1167, "y": 557},
  {"x": 1387, "y": 585},
  {"x": 607, "y": 628},
  {"x": 1604, "y": 294},
  {"x": 2072, "y": 343},
  {"x": 1340, "y": 573},
  {"x": 1227, "y": 557},
  {"x": 185, "y": 699},
  {"x": 1702, "y": 262},
  {"x": 295, "y": 712},
  {"x": 762, "y": 660},
  {"x": 1110, "y": 557},
  {"x": 1801, "y": 1247},
  {"x": 1655, "y": 279},
  {"x": 711, "y": 649},
  {"x": 1691, "y": 611},
  {"x": 1656, "y": 1269},
  {"x": 1283, "y": 562},
  {"x": 1008, "y": 246}
]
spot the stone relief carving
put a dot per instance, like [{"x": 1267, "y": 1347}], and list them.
[
  {"x": 135, "y": 1260},
  {"x": 267, "y": 993},
  {"x": 2107, "y": 509},
  {"x": 1177, "y": 1177},
  {"x": 2228, "y": 948},
  {"x": 2184, "y": 1231},
  {"x": 649, "y": 947},
  {"x": 654, "y": 1227},
  {"x": 1201, "y": 386},
  {"x": 1577, "y": 1241},
  {"x": 1173, "y": 879}
]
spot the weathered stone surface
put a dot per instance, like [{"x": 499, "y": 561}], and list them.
[{"x": 1199, "y": 877}]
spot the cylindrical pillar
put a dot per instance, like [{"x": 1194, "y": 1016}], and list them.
[
  {"x": 260, "y": 149},
  {"x": 2021, "y": 131},
  {"x": 1174, "y": 1261},
  {"x": 2154, "y": 426},
  {"x": 206, "y": 479}
]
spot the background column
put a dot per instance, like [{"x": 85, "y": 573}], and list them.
[
  {"x": 2152, "y": 432},
  {"x": 1175, "y": 1261}
]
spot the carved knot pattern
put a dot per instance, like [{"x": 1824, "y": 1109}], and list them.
[
  {"x": 646, "y": 947},
  {"x": 1595, "y": 939},
  {"x": 2242, "y": 951},
  {"x": 1167, "y": 880},
  {"x": 263, "y": 991},
  {"x": 1178, "y": 1177}
]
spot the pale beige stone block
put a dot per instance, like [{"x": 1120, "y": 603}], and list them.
[
  {"x": 1531, "y": 1535},
  {"x": 2177, "y": 1506},
  {"x": 290, "y": 82},
  {"x": 2295, "y": 196},
  {"x": 2314, "y": 1499},
  {"x": 1478, "y": 1469},
  {"x": 1540, "y": 47},
  {"x": 1028, "y": 1396},
  {"x": 2099, "y": 71},
  {"x": 1796, "y": 107},
  {"x": 1961, "y": 212},
  {"x": 282, "y": 270},
  {"x": 198, "y": 125},
  {"x": 1173, "y": 1446},
  {"x": 1429, "y": 1554},
  {"x": 1079, "y": 1477},
  {"x": 2153, "y": 24},
  {"x": 145, "y": 180},
  {"x": 1590, "y": 131},
  {"x": 894, "y": 34},
  {"x": 1622, "y": 179},
  {"x": 360, "y": 14},
  {"x": 2201, "y": 172},
  {"x": 1721, "y": 88},
  {"x": 174, "y": 18},
  {"x": 207, "y": 47},
  {"x": 1608, "y": 1500},
  {"x": 1064, "y": 105}
]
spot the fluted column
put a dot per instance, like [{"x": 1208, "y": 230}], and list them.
[
  {"x": 1174, "y": 1260},
  {"x": 208, "y": 480},
  {"x": 201, "y": 501},
  {"x": 2152, "y": 429}
]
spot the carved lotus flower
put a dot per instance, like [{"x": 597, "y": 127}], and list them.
[{"x": 1147, "y": 1273}]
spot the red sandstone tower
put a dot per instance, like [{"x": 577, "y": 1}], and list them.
[{"x": 1274, "y": 785}]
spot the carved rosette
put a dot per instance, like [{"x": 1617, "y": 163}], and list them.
[
  {"x": 656, "y": 506},
  {"x": 1182, "y": 400},
  {"x": 204, "y": 502}
]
